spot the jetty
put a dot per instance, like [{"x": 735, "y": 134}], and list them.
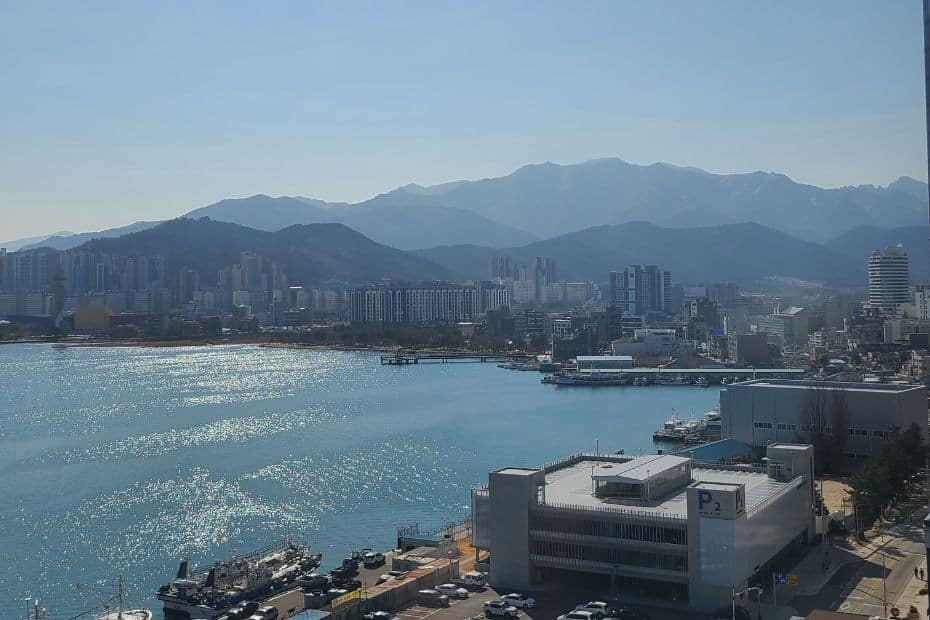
[{"x": 403, "y": 358}]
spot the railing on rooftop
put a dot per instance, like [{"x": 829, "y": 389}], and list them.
[
  {"x": 613, "y": 509},
  {"x": 774, "y": 497},
  {"x": 578, "y": 457}
]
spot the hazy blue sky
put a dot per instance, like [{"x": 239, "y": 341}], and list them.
[{"x": 116, "y": 112}]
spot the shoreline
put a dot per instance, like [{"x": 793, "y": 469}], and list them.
[{"x": 261, "y": 341}]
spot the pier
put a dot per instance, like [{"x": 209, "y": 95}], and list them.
[{"x": 403, "y": 358}]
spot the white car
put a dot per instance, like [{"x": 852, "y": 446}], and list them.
[
  {"x": 452, "y": 591},
  {"x": 500, "y": 608},
  {"x": 520, "y": 601},
  {"x": 579, "y": 614},
  {"x": 598, "y": 608}
]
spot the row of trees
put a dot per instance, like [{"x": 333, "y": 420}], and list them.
[{"x": 883, "y": 479}]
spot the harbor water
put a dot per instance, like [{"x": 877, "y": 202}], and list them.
[{"x": 120, "y": 461}]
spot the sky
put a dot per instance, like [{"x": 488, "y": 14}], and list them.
[{"x": 113, "y": 112}]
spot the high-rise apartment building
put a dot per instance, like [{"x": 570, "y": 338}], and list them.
[
  {"x": 501, "y": 268},
  {"x": 641, "y": 289},
  {"x": 889, "y": 285},
  {"x": 440, "y": 303}
]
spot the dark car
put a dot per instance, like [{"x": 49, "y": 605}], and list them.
[{"x": 242, "y": 611}]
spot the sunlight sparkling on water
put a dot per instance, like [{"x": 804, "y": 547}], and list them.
[{"x": 120, "y": 461}]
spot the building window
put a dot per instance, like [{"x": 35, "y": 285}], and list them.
[
  {"x": 880, "y": 434},
  {"x": 787, "y": 427},
  {"x": 541, "y": 493},
  {"x": 859, "y": 432},
  {"x": 762, "y": 425}
]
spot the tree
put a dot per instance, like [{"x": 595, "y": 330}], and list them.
[
  {"x": 815, "y": 417},
  {"x": 839, "y": 425}
]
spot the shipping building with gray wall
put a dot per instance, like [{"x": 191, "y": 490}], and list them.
[
  {"x": 658, "y": 525},
  {"x": 765, "y": 411}
]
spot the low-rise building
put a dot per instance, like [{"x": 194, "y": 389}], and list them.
[
  {"x": 658, "y": 524},
  {"x": 751, "y": 349},
  {"x": 645, "y": 341},
  {"x": 766, "y": 411}
]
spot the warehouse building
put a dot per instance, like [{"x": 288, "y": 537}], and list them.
[
  {"x": 765, "y": 411},
  {"x": 659, "y": 525}
]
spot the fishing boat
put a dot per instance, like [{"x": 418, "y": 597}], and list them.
[
  {"x": 592, "y": 379},
  {"x": 120, "y": 613},
  {"x": 672, "y": 430},
  {"x": 35, "y": 611},
  {"x": 677, "y": 380},
  {"x": 211, "y": 593}
]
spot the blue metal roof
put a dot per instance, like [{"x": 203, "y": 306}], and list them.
[{"x": 715, "y": 451}]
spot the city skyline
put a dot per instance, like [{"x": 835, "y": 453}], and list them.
[{"x": 104, "y": 128}]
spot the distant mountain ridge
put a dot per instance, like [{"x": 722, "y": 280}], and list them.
[
  {"x": 405, "y": 227},
  {"x": 547, "y": 200},
  {"x": 309, "y": 253},
  {"x": 745, "y": 253},
  {"x": 550, "y": 199}
]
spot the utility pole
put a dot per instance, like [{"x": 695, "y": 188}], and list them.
[
  {"x": 884, "y": 572},
  {"x": 823, "y": 523}
]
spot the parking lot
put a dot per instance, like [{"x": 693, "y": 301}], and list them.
[{"x": 549, "y": 605}]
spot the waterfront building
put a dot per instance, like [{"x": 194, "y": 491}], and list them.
[
  {"x": 577, "y": 343},
  {"x": 889, "y": 286},
  {"x": 765, "y": 411},
  {"x": 660, "y": 523}
]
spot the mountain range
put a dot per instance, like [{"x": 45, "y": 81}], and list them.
[
  {"x": 309, "y": 253},
  {"x": 746, "y": 253},
  {"x": 542, "y": 201}
]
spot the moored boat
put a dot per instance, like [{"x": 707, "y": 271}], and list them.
[{"x": 210, "y": 594}]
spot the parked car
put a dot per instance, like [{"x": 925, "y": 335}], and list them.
[
  {"x": 242, "y": 611},
  {"x": 579, "y": 614},
  {"x": 373, "y": 559},
  {"x": 313, "y": 581},
  {"x": 598, "y": 608},
  {"x": 383, "y": 578},
  {"x": 520, "y": 601},
  {"x": 398, "y": 574},
  {"x": 472, "y": 579},
  {"x": 432, "y": 598},
  {"x": 500, "y": 608},
  {"x": 379, "y": 615},
  {"x": 265, "y": 613},
  {"x": 452, "y": 591}
]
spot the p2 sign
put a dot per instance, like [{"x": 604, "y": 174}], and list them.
[{"x": 719, "y": 501}]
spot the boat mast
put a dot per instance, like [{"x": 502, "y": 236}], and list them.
[{"x": 119, "y": 598}]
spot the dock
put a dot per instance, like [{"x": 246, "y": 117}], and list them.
[{"x": 403, "y": 358}]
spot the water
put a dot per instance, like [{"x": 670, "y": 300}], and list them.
[{"x": 119, "y": 461}]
